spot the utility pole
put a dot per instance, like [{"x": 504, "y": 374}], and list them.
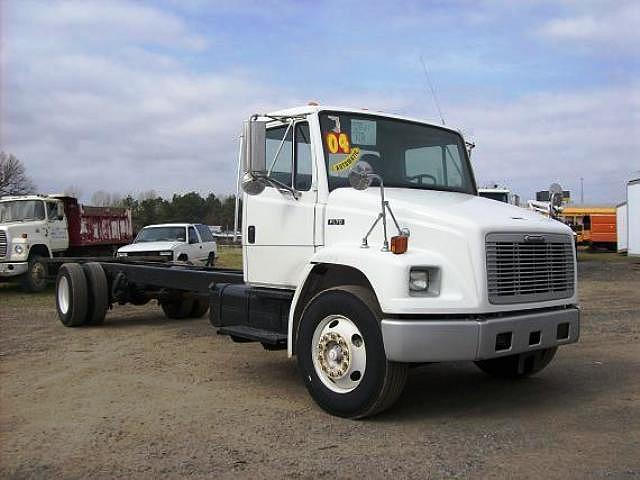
[{"x": 582, "y": 190}]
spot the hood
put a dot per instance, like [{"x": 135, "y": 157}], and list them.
[
  {"x": 149, "y": 247},
  {"x": 447, "y": 209},
  {"x": 429, "y": 214}
]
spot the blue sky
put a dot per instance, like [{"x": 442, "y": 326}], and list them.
[{"x": 135, "y": 96}]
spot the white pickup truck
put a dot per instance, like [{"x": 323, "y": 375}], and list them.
[
  {"x": 366, "y": 249},
  {"x": 180, "y": 242}
]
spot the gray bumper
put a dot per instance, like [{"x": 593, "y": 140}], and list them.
[
  {"x": 450, "y": 340},
  {"x": 8, "y": 269}
]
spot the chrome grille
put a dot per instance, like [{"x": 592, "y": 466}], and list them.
[
  {"x": 529, "y": 268},
  {"x": 3, "y": 244}
]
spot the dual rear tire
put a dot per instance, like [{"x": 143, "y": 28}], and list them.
[{"x": 82, "y": 296}]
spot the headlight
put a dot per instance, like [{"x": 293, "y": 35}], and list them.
[
  {"x": 122, "y": 254},
  {"x": 419, "y": 280},
  {"x": 18, "y": 249},
  {"x": 167, "y": 253}
]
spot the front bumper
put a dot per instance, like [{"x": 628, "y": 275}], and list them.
[
  {"x": 13, "y": 269},
  {"x": 473, "y": 339}
]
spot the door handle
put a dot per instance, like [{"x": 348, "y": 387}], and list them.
[{"x": 251, "y": 234}]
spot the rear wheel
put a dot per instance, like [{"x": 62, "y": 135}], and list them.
[
  {"x": 518, "y": 366},
  {"x": 178, "y": 309},
  {"x": 341, "y": 354},
  {"x": 98, "y": 290},
  {"x": 71, "y": 295},
  {"x": 35, "y": 280}
]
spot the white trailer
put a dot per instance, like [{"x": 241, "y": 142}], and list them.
[
  {"x": 366, "y": 249},
  {"x": 622, "y": 233},
  {"x": 633, "y": 217}
]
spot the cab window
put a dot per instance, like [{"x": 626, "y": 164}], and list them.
[
  {"x": 52, "y": 211},
  {"x": 279, "y": 168},
  {"x": 205, "y": 233},
  {"x": 303, "y": 165},
  {"x": 193, "y": 237}
]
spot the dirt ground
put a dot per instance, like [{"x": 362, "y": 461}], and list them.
[{"x": 147, "y": 397}]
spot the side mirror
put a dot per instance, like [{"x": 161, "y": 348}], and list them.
[
  {"x": 360, "y": 176},
  {"x": 254, "y": 162}
]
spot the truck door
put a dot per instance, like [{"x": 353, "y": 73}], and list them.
[
  {"x": 278, "y": 230},
  {"x": 56, "y": 227},
  {"x": 195, "y": 246}
]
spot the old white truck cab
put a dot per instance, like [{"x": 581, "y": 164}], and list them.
[{"x": 32, "y": 228}]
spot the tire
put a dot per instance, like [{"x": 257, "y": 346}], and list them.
[
  {"x": 200, "y": 307},
  {"x": 71, "y": 295},
  {"x": 357, "y": 389},
  {"x": 518, "y": 366},
  {"x": 98, "y": 290},
  {"x": 178, "y": 309},
  {"x": 35, "y": 280}
]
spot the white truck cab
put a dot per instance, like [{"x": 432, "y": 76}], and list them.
[
  {"x": 32, "y": 228},
  {"x": 180, "y": 242},
  {"x": 479, "y": 280}
]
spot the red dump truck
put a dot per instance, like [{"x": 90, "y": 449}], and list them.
[{"x": 36, "y": 227}]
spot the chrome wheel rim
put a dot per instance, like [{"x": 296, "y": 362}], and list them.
[
  {"x": 339, "y": 354},
  {"x": 64, "y": 295},
  {"x": 37, "y": 273}
]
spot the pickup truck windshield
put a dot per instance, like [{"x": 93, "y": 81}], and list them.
[
  {"x": 21, "y": 211},
  {"x": 404, "y": 153},
  {"x": 162, "y": 234}
]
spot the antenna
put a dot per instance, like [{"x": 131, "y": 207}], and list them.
[{"x": 433, "y": 92}]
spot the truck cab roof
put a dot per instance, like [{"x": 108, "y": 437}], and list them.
[{"x": 311, "y": 109}]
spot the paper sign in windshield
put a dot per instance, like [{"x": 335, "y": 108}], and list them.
[
  {"x": 348, "y": 162},
  {"x": 363, "y": 132}
]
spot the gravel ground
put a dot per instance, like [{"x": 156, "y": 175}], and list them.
[{"x": 147, "y": 397}]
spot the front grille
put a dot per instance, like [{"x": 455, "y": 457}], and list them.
[
  {"x": 3, "y": 244},
  {"x": 529, "y": 268},
  {"x": 154, "y": 256}
]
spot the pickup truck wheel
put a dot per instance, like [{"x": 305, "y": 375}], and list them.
[
  {"x": 178, "y": 309},
  {"x": 518, "y": 366},
  {"x": 71, "y": 295},
  {"x": 98, "y": 299},
  {"x": 341, "y": 354},
  {"x": 35, "y": 280},
  {"x": 200, "y": 307}
]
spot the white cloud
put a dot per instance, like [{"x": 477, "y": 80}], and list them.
[
  {"x": 531, "y": 141},
  {"x": 598, "y": 24}
]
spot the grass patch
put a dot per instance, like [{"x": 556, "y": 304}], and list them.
[{"x": 229, "y": 256}]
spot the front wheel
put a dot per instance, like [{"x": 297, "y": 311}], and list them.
[
  {"x": 35, "y": 280},
  {"x": 341, "y": 354},
  {"x": 517, "y": 366}
]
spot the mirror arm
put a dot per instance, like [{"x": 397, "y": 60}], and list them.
[{"x": 280, "y": 186}]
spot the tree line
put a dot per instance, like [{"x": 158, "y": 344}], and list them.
[
  {"x": 146, "y": 208},
  {"x": 149, "y": 208}
]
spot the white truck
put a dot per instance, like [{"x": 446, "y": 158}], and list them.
[
  {"x": 181, "y": 242},
  {"x": 34, "y": 228},
  {"x": 366, "y": 250}
]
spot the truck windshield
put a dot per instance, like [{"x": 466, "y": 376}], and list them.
[
  {"x": 406, "y": 154},
  {"x": 21, "y": 211},
  {"x": 162, "y": 234}
]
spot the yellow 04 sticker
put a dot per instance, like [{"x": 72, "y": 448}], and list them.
[{"x": 348, "y": 162}]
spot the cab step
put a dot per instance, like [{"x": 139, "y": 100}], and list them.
[{"x": 251, "y": 334}]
